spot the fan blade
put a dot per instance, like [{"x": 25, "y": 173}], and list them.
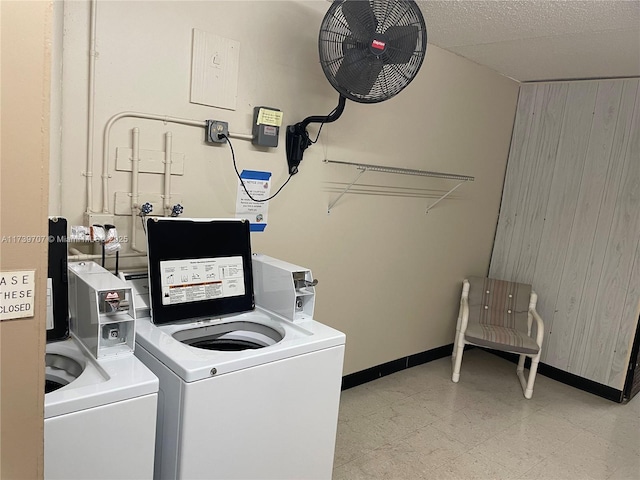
[
  {"x": 358, "y": 71},
  {"x": 361, "y": 19},
  {"x": 402, "y": 43}
]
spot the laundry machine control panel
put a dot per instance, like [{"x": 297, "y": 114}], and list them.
[
  {"x": 283, "y": 288},
  {"x": 102, "y": 310}
]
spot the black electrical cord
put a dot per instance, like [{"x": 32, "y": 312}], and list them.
[
  {"x": 235, "y": 167},
  {"x": 311, "y": 142},
  {"x": 144, "y": 227}
]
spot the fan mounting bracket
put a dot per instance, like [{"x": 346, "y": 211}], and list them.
[
  {"x": 297, "y": 141},
  {"x": 297, "y": 137}
]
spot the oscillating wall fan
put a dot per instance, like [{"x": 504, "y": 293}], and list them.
[{"x": 369, "y": 51}]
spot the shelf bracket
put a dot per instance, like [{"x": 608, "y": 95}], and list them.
[
  {"x": 444, "y": 196},
  {"x": 362, "y": 170},
  {"x": 363, "y": 167}
]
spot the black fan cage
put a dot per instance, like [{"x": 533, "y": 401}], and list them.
[{"x": 371, "y": 50}]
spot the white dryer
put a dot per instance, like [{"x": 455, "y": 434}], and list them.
[{"x": 245, "y": 393}]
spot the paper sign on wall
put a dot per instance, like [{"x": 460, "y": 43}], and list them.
[
  {"x": 258, "y": 184},
  {"x": 269, "y": 117},
  {"x": 17, "y": 294}
]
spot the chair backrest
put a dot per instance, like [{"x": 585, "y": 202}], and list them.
[{"x": 500, "y": 303}]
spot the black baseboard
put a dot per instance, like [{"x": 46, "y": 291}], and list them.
[
  {"x": 567, "y": 378},
  {"x": 379, "y": 371},
  {"x": 373, "y": 373}
]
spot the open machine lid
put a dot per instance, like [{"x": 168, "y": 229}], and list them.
[
  {"x": 198, "y": 268},
  {"x": 57, "y": 281}
]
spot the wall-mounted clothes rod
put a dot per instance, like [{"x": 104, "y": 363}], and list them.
[
  {"x": 364, "y": 167},
  {"x": 404, "y": 171}
]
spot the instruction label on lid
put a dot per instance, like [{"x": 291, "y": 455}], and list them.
[{"x": 196, "y": 280}]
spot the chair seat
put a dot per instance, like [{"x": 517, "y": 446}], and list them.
[
  {"x": 499, "y": 315},
  {"x": 496, "y": 337}
]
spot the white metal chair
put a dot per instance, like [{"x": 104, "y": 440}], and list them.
[{"x": 499, "y": 315}]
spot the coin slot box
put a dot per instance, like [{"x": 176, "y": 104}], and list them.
[
  {"x": 284, "y": 288},
  {"x": 102, "y": 310}
]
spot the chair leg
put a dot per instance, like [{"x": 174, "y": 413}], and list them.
[
  {"x": 521, "y": 363},
  {"x": 527, "y": 385},
  {"x": 528, "y": 393},
  {"x": 455, "y": 347},
  {"x": 458, "y": 351}
]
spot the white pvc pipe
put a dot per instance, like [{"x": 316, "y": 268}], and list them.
[
  {"x": 241, "y": 136},
  {"x": 146, "y": 116},
  {"x": 135, "y": 170},
  {"x": 77, "y": 255},
  {"x": 134, "y": 247},
  {"x": 105, "y": 145},
  {"x": 167, "y": 173},
  {"x": 90, "y": 106},
  {"x": 135, "y": 167}
]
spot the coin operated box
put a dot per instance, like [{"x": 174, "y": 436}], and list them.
[
  {"x": 283, "y": 288},
  {"x": 102, "y": 310},
  {"x": 266, "y": 126}
]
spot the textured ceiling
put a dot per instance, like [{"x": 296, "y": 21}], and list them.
[
  {"x": 531, "y": 40},
  {"x": 540, "y": 39}
]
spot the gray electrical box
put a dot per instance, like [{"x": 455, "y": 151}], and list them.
[
  {"x": 266, "y": 126},
  {"x": 216, "y": 128}
]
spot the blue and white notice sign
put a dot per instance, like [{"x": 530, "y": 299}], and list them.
[{"x": 258, "y": 184}]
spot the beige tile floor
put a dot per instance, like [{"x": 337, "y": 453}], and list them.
[{"x": 417, "y": 424}]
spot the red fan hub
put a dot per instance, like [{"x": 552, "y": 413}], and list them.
[{"x": 378, "y": 44}]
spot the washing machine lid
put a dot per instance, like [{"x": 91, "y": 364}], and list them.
[
  {"x": 101, "y": 382},
  {"x": 57, "y": 282},
  {"x": 198, "y": 268},
  {"x": 192, "y": 364}
]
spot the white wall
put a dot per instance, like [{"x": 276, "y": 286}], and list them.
[{"x": 389, "y": 274}]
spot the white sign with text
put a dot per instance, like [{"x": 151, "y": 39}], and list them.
[{"x": 17, "y": 294}]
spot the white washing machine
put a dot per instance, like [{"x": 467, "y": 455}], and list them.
[
  {"x": 248, "y": 395},
  {"x": 99, "y": 415},
  {"x": 100, "y": 421}
]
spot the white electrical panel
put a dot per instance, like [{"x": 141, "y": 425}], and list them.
[{"x": 214, "y": 70}]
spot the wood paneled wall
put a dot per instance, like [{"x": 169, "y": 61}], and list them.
[
  {"x": 24, "y": 180},
  {"x": 570, "y": 220}
]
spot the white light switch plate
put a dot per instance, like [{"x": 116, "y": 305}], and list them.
[{"x": 214, "y": 70}]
